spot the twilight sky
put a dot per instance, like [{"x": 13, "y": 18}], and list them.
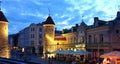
[{"x": 65, "y": 13}]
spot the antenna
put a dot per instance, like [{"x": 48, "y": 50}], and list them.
[
  {"x": 49, "y": 11},
  {"x": 82, "y": 17}
]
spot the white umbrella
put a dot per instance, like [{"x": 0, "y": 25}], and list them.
[{"x": 113, "y": 54}]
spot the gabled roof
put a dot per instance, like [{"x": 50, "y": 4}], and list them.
[
  {"x": 2, "y": 17},
  {"x": 49, "y": 21}
]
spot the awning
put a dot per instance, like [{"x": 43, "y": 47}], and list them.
[{"x": 78, "y": 52}]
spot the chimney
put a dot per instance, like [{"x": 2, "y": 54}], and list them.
[
  {"x": 76, "y": 25},
  {"x": 96, "y": 19},
  {"x": 118, "y": 14}
]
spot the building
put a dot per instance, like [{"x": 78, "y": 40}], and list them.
[
  {"x": 31, "y": 39},
  {"x": 4, "y": 46},
  {"x": 49, "y": 34},
  {"x": 103, "y": 36},
  {"x": 13, "y": 40},
  {"x": 65, "y": 41}
]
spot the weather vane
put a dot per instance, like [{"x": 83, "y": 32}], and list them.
[
  {"x": 49, "y": 11},
  {"x": 82, "y": 17},
  {"x": 0, "y": 4}
]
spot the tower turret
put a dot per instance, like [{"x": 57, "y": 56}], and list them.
[
  {"x": 49, "y": 33},
  {"x": 4, "y": 46}
]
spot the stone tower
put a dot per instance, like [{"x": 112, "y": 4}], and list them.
[
  {"x": 4, "y": 46},
  {"x": 49, "y": 33}
]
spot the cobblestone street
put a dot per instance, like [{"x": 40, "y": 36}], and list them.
[{"x": 32, "y": 58}]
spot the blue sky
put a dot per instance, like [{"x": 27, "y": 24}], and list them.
[{"x": 65, "y": 13}]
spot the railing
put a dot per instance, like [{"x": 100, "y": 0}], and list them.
[
  {"x": 105, "y": 44},
  {"x": 11, "y": 61}
]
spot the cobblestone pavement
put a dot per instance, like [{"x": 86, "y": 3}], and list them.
[
  {"x": 33, "y": 58},
  {"x": 38, "y": 59}
]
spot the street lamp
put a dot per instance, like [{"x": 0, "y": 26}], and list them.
[{"x": 23, "y": 52}]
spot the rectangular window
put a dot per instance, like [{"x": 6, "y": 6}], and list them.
[
  {"x": 101, "y": 38},
  {"x": 40, "y": 35},
  {"x": 90, "y": 38},
  {"x": 40, "y": 29},
  {"x": 32, "y": 29},
  {"x": 32, "y": 43},
  {"x": 32, "y": 36},
  {"x": 95, "y": 38},
  {"x": 40, "y": 42}
]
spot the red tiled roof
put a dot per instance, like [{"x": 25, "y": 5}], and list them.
[
  {"x": 2, "y": 17},
  {"x": 60, "y": 38}
]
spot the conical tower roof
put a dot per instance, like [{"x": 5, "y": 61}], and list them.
[
  {"x": 49, "y": 21},
  {"x": 2, "y": 17},
  {"x": 82, "y": 24}
]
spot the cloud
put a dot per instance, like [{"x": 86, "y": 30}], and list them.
[
  {"x": 103, "y": 9},
  {"x": 64, "y": 13},
  {"x": 61, "y": 23},
  {"x": 65, "y": 22}
]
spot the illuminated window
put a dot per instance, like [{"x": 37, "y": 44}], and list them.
[
  {"x": 81, "y": 39},
  {"x": 5, "y": 28}
]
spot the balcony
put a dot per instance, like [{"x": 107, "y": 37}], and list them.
[{"x": 103, "y": 45}]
